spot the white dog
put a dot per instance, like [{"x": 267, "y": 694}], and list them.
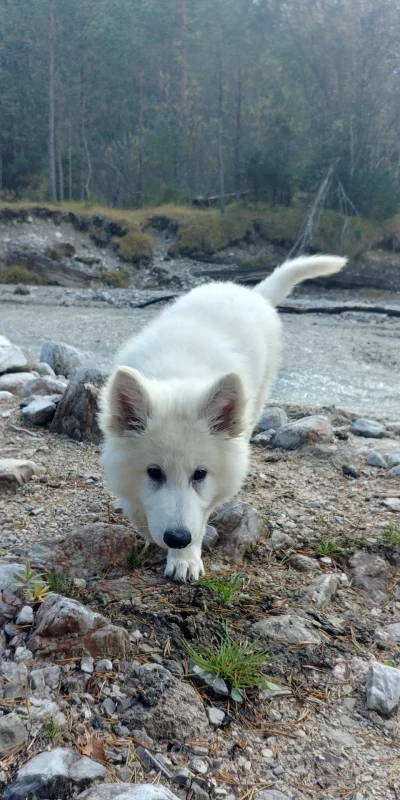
[{"x": 181, "y": 405}]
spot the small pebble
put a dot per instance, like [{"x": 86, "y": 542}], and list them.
[
  {"x": 25, "y": 616},
  {"x": 105, "y": 665},
  {"x": 87, "y": 664}
]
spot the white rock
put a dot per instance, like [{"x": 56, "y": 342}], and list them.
[
  {"x": 44, "y": 386},
  {"x": 45, "y": 369},
  {"x": 12, "y": 359},
  {"x": 369, "y": 428},
  {"x": 383, "y": 688},
  {"x": 324, "y": 589},
  {"x": 287, "y": 628},
  {"x": 307, "y": 430},
  {"x": 9, "y": 589},
  {"x": 25, "y": 616},
  {"x": 393, "y": 632},
  {"x": 87, "y": 664},
  {"x": 375, "y": 459},
  {"x": 281, "y": 541},
  {"x": 45, "y": 682},
  {"x": 24, "y": 655},
  {"x": 216, "y": 716},
  {"x": 393, "y": 503},
  {"x": 105, "y": 665},
  {"x": 394, "y": 459},
  {"x": 14, "y": 382},
  {"x": 128, "y": 791},
  {"x": 40, "y": 708},
  {"x": 6, "y": 396},
  {"x": 63, "y": 358},
  {"x": 12, "y": 733},
  {"x": 14, "y": 472},
  {"x": 61, "y": 766}
]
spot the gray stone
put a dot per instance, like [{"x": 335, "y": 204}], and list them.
[
  {"x": 370, "y": 573},
  {"x": 286, "y": 628},
  {"x": 14, "y": 382},
  {"x": 303, "y": 563},
  {"x": 210, "y": 539},
  {"x": 324, "y": 589},
  {"x": 12, "y": 733},
  {"x": 307, "y": 430},
  {"x": 239, "y": 526},
  {"x": 281, "y": 541},
  {"x": 395, "y": 472},
  {"x": 77, "y": 411},
  {"x": 44, "y": 386},
  {"x": 109, "y": 707},
  {"x": 55, "y": 774},
  {"x": 45, "y": 370},
  {"x": 87, "y": 664},
  {"x": 63, "y": 358},
  {"x": 5, "y": 397},
  {"x": 271, "y": 418},
  {"x": 375, "y": 459},
  {"x": 12, "y": 359},
  {"x": 262, "y": 439},
  {"x": 393, "y": 632},
  {"x": 22, "y": 289},
  {"x": 15, "y": 678},
  {"x": 393, "y": 459},
  {"x": 216, "y": 716},
  {"x": 10, "y": 584},
  {"x": 383, "y": 688},
  {"x": 25, "y": 616},
  {"x": 270, "y": 794},
  {"x": 14, "y": 472},
  {"x": 369, "y": 428},
  {"x": 40, "y": 411},
  {"x": 128, "y": 791},
  {"x": 199, "y": 766},
  {"x": 45, "y": 682},
  {"x": 165, "y": 707},
  {"x": 105, "y": 665},
  {"x": 216, "y": 686},
  {"x": 392, "y": 503},
  {"x": 42, "y": 709}
]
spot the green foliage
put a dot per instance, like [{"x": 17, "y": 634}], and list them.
[
  {"x": 135, "y": 246},
  {"x": 238, "y": 662},
  {"x": 32, "y": 585},
  {"x": 225, "y": 588},
  {"x": 52, "y": 731},
  {"x": 116, "y": 279},
  {"x": 16, "y": 274},
  {"x": 331, "y": 547},
  {"x": 391, "y": 536},
  {"x": 137, "y": 557}
]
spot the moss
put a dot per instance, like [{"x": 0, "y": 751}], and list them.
[
  {"x": 135, "y": 246},
  {"x": 16, "y": 274},
  {"x": 116, "y": 279}
]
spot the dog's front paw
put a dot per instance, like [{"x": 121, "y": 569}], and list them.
[{"x": 184, "y": 564}]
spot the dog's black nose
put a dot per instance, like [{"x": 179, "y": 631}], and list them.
[{"x": 177, "y": 538}]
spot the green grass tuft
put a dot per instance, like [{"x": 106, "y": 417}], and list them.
[
  {"x": 137, "y": 557},
  {"x": 116, "y": 279},
  {"x": 330, "y": 547},
  {"x": 391, "y": 536},
  {"x": 135, "y": 246},
  {"x": 16, "y": 274},
  {"x": 224, "y": 587}
]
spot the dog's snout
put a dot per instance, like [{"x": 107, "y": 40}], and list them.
[{"x": 177, "y": 538}]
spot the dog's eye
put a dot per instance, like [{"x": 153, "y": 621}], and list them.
[
  {"x": 156, "y": 474},
  {"x": 199, "y": 475}
]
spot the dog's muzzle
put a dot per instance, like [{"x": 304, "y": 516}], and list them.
[{"x": 177, "y": 539}]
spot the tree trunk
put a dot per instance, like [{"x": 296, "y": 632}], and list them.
[
  {"x": 140, "y": 117},
  {"x": 184, "y": 112},
  {"x": 238, "y": 132},
  {"x": 52, "y": 147},
  {"x": 82, "y": 140},
  {"x": 70, "y": 162},
  {"x": 220, "y": 138},
  {"x": 1, "y": 169},
  {"x": 59, "y": 150}
]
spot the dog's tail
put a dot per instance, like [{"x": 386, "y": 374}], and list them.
[{"x": 278, "y": 285}]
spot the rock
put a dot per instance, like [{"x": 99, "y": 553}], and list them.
[
  {"x": 12, "y": 733},
  {"x": 22, "y": 289},
  {"x": 45, "y": 682},
  {"x": 199, "y": 766},
  {"x": 23, "y": 654},
  {"x": 383, "y": 688},
  {"x": 25, "y": 616},
  {"x": 10, "y": 601},
  {"x": 14, "y": 382},
  {"x": 108, "y": 707},
  {"x": 351, "y": 670},
  {"x": 270, "y": 794},
  {"x": 286, "y": 628},
  {"x": 87, "y": 664},
  {"x": 128, "y": 791},
  {"x": 40, "y": 411},
  {"x": 44, "y": 370},
  {"x": 239, "y": 525},
  {"x": 87, "y": 550},
  {"x": 369, "y": 428},
  {"x": 76, "y": 414},
  {"x": 63, "y": 358},
  {"x": 395, "y": 472},
  {"x": 42, "y": 709},
  {"x": 350, "y": 471},
  {"x": 14, "y": 472},
  {"x": 15, "y": 678},
  {"x": 281, "y": 541},
  {"x": 262, "y": 439},
  {"x": 69, "y": 629},
  {"x": 55, "y": 774},
  {"x": 12, "y": 359},
  {"x": 104, "y": 665},
  {"x": 303, "y": 563},
  {"x": 215, "y": 716},
  {"x": 44, "y": 386},
  {"x": 370, "y": 573},
  {"x": 376, "y": 460},
  {"x": 393, "y": 632},
  {"x": 303, "y": 431},
  {"x": 271, "y": 418},
  {"x": 210, "y": 539},
  {"x": 216, "y": 686},
  {"x": 164, "y": 706},
  {"x": 393, "y": 459},
  {"x": 324, "y": 589},
  {"x": 5, "y": 397},
  {"x": 393, "y": 503}
]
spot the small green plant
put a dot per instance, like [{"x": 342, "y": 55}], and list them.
[
  {"x": 330, "y": 547},
  {"x": 52, "y": 731},
  {"x": 135, "y": 246},
  {"x": 16, "y": 274},
  {"x": 116, "y": 279},
  {"x": 224, "y": 587},
  {"x": 137, "y": 557},
  {"x": 238, "y": 662},
  {"x": 32, "y": 584},
  {"x": 391, "y": 536}
]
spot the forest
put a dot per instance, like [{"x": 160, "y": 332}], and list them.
[{"x": 141, "y": 102}]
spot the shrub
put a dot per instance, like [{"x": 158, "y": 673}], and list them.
[
  {"x": 16, "y": 274},
  {"x": 135, "y": 246},
  {"x": 116, "y": 279}
]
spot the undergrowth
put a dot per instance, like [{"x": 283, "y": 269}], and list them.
[
  {"x": 16, "y": 274},
  {"x": 391, "y": 536},
  {"x": 225, "y": 588},
  {"x": 116, "y": 279},
  {"x": 137, "y": 557}
]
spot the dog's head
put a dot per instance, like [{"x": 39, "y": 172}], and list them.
[{"x": 173, "y": 450}]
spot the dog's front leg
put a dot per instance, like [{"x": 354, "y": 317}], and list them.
[{"x": 183, "y": 564}]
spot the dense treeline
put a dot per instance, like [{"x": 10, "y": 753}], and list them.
[{"x": 137, "y": 101}]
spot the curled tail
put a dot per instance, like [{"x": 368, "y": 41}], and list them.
[{"x": 278, "y": 285}]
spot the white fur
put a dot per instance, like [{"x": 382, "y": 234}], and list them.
[{"x": 192, "y": 386}]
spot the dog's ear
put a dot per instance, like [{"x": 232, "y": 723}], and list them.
[
  {"x": 224, "y": 405},
  {"x": 128, "y": 403}
]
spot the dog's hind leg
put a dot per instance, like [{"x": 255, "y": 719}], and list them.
[{"x": 186, "y": 563}]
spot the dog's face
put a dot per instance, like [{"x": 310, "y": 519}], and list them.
[{"x": 173, "y": 451}]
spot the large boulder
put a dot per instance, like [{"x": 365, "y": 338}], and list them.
[
  {"x": 12, "y": 359},
  {"x": 63, "y": 358},
  {"x": 306, "y": 430},
  {"x": 67, "y": 629},
  {"x": 14, "y": 472},
  {"x": 76, "y": 414},
  {"x": 55, "y": 775},
  {"x": 15, "y": 382}
]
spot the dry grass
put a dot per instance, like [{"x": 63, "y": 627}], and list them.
[
  {"x": 135, "y": 246},
  {"x": 17, "y": 274}
]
